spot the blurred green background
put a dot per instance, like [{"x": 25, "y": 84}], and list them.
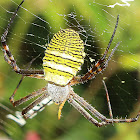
[{"x": 42, "y": 19}]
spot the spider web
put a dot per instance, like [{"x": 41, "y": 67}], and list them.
[{"x": 32, "y": 30}]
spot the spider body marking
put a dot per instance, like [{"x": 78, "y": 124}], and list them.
[{"x": 63, "y": 59}]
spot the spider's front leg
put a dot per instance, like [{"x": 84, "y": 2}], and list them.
[
  {"x": 84, "y": 112},
  {"x": 26, "y": 98},
  {"x": 85, "y": 109},
  {"x": 33, "y": 108}
]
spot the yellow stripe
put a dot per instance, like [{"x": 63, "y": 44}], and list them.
[
  {"x": 62, "y": 61},
  {"x": 60, "y": 67},
  {"x": 67, "y": 56},
  {"x": 75, "y": 52},
  {"x": 58, "y": 72},
  {"x": 57, "y": 77}
]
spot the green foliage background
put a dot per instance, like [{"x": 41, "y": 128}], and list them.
[{"x": 72, "y": 125}]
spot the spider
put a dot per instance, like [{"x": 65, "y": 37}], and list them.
[{"x": 63, "y": 58}]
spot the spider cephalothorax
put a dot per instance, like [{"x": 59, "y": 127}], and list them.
[{"x": 63, "y": 58}]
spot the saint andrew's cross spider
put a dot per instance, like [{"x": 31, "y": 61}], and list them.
[{"x": 63, "y": 59}]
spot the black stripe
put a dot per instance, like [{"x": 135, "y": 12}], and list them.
[
  {"x": 59, "y": 70},
  {"x": 74, "y": 54},
  {"x": 63, "y": 64},
  {"x": 62, "y": 57},
  {"x": 70, "y": 45}
]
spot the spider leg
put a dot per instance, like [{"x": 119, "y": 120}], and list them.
[
  {"x": 123, "y": 120},
  {"x": 110, "y": 111},
  {"x": 84, "y": 112},
  {"x": 104, "y": 120},
  {"x": 22, "y": 100},
  {"x": 108, "y": 101},
  {"x": 10, "y": 60},
  {"x": 38, "y": 107},
  {"x": 26, "y": 98},
  {"x": 88, "y": 106},
  {"x": 100, "y": 65},
  {"x": 35, "y": 106},
  {"x": 38, "y": 76},
  {"x": 109, "y": 44},
  {"x": 12, "y": 96},
  {"x": 9, "y": 57}
]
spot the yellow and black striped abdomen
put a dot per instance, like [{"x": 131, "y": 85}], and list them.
[{"x": 63, "y": 57}]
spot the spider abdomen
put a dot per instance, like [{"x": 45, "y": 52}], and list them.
[{"x": 63, "y": 57}]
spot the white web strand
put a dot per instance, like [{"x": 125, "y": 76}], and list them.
[{"x": 125, "y": 3}]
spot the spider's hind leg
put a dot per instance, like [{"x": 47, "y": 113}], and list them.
[{"x": 101, "y": 63}]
